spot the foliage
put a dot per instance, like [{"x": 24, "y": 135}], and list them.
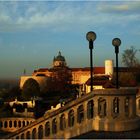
[
  {"x": 129, "y": 57},
  {"x": 59, "y": 83},
  {"x": 30, "y": 89},
  {"x": 125, "y": 79},
  {"x": 130, "y": 60},
  {"x": 11, "y": 94},
  {"x": 5, "y": 111},
  {"x": 137, "y": 73}
]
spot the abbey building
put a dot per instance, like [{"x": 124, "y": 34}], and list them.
[{"x": 80, "y": 76}]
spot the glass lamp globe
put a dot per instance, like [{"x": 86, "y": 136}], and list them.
[
  {"x": 116, "y": 42},
  {"x": 91, "y": 36}
]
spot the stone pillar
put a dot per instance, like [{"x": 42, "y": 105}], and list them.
[
  {"x": 95, "y": 106},
  {"x": 109, "y": 107},
  {"x": 85, "y": 111},
  {"x": 132, "y": 107},
  {"x": 121, "y": 107}
]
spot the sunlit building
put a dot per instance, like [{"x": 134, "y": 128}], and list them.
[{"x": 80, "y": 76}]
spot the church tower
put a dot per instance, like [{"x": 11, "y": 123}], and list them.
[{"x": 59, "y": 61}]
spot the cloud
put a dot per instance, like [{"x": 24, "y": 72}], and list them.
[
  {"x": 132, "y": 6},
  {"x": 21, "y": 16}
]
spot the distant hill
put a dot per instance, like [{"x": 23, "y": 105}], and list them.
[{"x": 8, "y": 83}]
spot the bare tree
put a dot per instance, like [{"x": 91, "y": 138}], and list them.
[{"x": 129, "y": 57}]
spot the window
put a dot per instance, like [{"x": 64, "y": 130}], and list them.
[
  {"x": 40, "y": 132},
  {"x": 25, "y": 105},
  {"x": 62, "y": 122},
  {"x": 23, "y": 123},
  {"x": 126, "y": 106},
  {"x": 19, "y": 123},
  {"x": 80, "y": 114},
  {"x": 54, "y": 126},
  {"x": 5, "y": 124},
  {"x": 34, "y": 133},
  {"x": 71, "y": 118},
  {"x": 22, "y": 136},
  {"x": 15, "y": 123},
  {"x": 101, "y": 107},
  {"x": 28, "y": 135},
  {"x": 47, "y": 129},
  {"x": 27, "y": 122},
  {"x": 10, "y": 124},
  {"x": 17, "y": 137},
  {"x": 116, "y": 106},
  {"x": 90, "y": 110}
]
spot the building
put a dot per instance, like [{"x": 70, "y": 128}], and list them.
[{"x": 80, "y": 76}]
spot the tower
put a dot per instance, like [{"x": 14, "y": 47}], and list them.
[
  {"x": 109, "y": 67},
  {"x": 59, "y": 61}
]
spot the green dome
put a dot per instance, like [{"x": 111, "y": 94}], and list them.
[{"x": 59, "y": 57}]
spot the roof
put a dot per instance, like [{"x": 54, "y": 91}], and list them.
[
  {"x": 41, "y": 70},
  {"x": 96, "y": 70},
  {"x": 98, "y": 80}
]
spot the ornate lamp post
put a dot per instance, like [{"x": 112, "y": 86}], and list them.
[
  {"x": 116, "y": 42},
  {"x": 91, "y": 36}
]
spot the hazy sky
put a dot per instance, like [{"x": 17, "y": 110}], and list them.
[{"x": 32, "y": 32}]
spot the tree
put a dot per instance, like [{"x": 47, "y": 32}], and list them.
[
  {"x": 11, "y": 94},
  {"x": 30, "y": 89},
  {"x": 130, "y": 60},
  {"x": 5, "y": 111},
  {"x": 129, "y": 57},
  {"x": 59, "y": 83},
  {"x": 126, "y": 79}
]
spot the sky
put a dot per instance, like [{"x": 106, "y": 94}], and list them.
[{"x": 33, "y": 32}]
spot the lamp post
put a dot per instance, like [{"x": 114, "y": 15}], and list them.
[
  {"x": 91, "y": 36},
  {"x": 116, "y": 42}
]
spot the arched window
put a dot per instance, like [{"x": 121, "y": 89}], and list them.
[
  {"x": 116, "y": 106},
  {"x": 80, "y": 114},
  {"x": 40, "y": 132},
  {"x": 27, "y": 122},
  {"x": 17, "y": 137},
  {"x": 62, "y": 122},
  {"x": 10, "y": 124},
  {"x": 90, "y": 109},
  {"x": 101, "y": 107},
  {"x": 15, "y": 123},
  {"x": 22, "y": 136},
  {"x": 23, "y": 123},
  {"x": 126, "y": 106},
  {"x": 34, "y": 133},
  {"x": 71, "y": 118},
  {"x": 28, "y": 135},
  {"x": 5, "y": 124},
  {"x": 54, "y": 126},
  {"x": 19, "y": 123},
  {"x": 47, "y": 129}
]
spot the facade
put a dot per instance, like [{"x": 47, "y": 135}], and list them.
[{"x": 80, "y": 76}]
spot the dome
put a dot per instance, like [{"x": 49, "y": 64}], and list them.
[
  {"x": 59, "y": 61},
  {"x": 59, "y": 57}
]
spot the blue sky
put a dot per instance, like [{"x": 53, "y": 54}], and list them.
[{"x": 32, "y": 32}]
